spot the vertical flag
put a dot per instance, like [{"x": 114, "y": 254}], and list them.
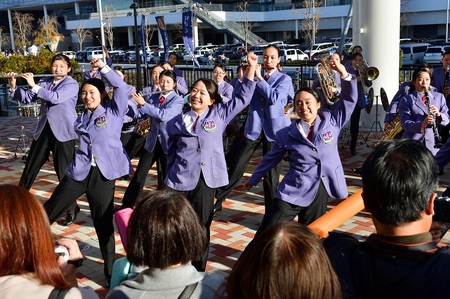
[
  {"x": 187, "y": 35},
  {"x": 165, "y": 37},
  {"x": 143, "y": 41}
]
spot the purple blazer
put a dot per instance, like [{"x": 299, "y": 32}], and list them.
[
  {"x": 182, "y": 88},
  {"x": 266, "y": 110},
  {"x": 438, "y": 79},
  {"x": 412, "y": 113},
  {"x": 312, "y": 162},
  {"x": 361, "y": 93},
  {"x": 201, "y": 152},
  {"x": 57, "y": 106},
  {"x": 100, "y": 138},
  {"x": 226, "y": 91},
  {"x": 159, "y": 116}
]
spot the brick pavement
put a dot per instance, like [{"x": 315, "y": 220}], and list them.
[{"x": 230, "y": 232}]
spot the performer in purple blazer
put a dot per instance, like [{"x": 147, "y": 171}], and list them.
[
  {"x": 356, "y": 68},
  {"x": 54, "y": 132},
  {"x": 441, "y": 80},
  {"x": 161, "y": 108},
  {"x": 136, "y": 142},
  {"x": 99, "y": 160},
  {"x": 196, "y": 162},
  {"x": 417, "y": 117},
  {"x": 265, "y": 117},
  {"x": 315, "y": 169},
  {"x": 225, "y": 89},
  {"x": 181, "y": 86}
]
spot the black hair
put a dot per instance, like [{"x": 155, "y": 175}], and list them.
[
  {"x": 398, "y": 178},
  {"x": 95, "y": 82},
  {"x": 212, "y": 89},
  {"x": 118, "y": 68},
  {"x": 65, "y": 59},
  {"x": 357, "y": 54},
  {"x": 308, "y": 90},
  {"x": 169, "y": 73}
]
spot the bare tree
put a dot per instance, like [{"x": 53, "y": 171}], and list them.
[
  {"x": 22, "y": 29},
  {"x": 81, "y": 34},
  {"x": 310, "y": 24},
  {"x": 4, "y": 38},
  {"x": 246, "y": 25},
  {"x": 47, "y": 33},
  {"x": 110, "y": 12},
  {"x": 149, "y": 31}
]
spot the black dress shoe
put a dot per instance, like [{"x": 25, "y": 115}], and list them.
[
  {"x": 353, "y": 152},
  {"x": 217, "y": 208},
  {"x": 70, "y": 217},
  {"x": 357, "y": 170}
]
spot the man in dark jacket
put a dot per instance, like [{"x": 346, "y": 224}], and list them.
[{"x": 401, "y": 260}]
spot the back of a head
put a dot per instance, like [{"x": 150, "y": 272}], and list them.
[
  {"x": 398, "y": 178},
  {"x": 286, "y": 260},
  {"x": 164, "y": 230},
  {"x": 26, "y": 243}
]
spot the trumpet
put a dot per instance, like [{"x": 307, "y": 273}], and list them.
[
  {"x": 34, "y": 75},
  {"x": 327, "y": 81},
  {"x": 369, "y": 72},
  {"x": 151, "y": 93},
  {"x": 437, "y": 137}
]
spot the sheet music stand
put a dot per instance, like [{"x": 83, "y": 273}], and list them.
[{"x": 376, "y": 128}]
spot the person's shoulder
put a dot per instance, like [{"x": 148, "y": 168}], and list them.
[
  {"x": 337, "y": 241},
  {"x": 210, "y": 284},
  {"x": 81, "y": 292}
]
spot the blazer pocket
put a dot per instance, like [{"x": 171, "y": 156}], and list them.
[{"x": 219, "y": 168}]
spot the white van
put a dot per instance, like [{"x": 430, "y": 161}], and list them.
[
  {"x": 94, "y": 54},
  {"x": 413, "y": 53},
  {"x": 321, "y": 47},
  {"x": 294, "y": 55},
  {"x": 70, "y": 54}
]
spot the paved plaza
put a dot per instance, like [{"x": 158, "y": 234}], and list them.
[{"x": 231, "y": 231}]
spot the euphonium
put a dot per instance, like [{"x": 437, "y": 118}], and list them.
[
  {"x": 327, "y": 81},
  {"x": 143, "y": 127},
  {"x": 391, "y": 130}
]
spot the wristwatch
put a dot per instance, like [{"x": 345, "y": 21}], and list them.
[{"x": 76, "y": 263}]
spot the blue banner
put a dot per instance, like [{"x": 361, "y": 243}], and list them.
[
  {"x": 143, "y": 41},
  {"x": 187, "y": 35},
  {"x": 165, "y": 37}
]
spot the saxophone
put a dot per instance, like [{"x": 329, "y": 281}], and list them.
[
  {"x": 391, "y": 130},
  {"x": 143, "y": 127}
]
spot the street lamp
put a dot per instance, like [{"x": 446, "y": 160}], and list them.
[{"x": 134, "y": 6}]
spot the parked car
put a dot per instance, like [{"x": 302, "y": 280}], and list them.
[
  {"x": 294, "y": 55},
  {"x": 433, "y": 55},
  {"x": 94, "y": 54},
  {"x": 70, "y": 54},
  {"x": 197, "y": 53},
  {"x": 81, "y": 56},
  {"x": 320, "y": 47},
  {"x": 413, "y": 53}
]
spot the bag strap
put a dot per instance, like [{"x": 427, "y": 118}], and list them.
[
  {"x": 58, "y": 293},
  {"x": 188, "y": 290}
]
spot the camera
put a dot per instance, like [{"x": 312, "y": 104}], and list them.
[
  {"x": 62, "y": 251},
  {"x": 442, "y": 209}
]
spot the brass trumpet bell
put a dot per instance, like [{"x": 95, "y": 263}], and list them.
[{"x": 371, "y": 73}]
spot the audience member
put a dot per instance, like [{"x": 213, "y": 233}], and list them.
[
  {"x": 28, "y": 265},
  {"x": 285, "y": 261},
  {"x": 400, "y": 260},
  {"x": 164, "y": 235}
]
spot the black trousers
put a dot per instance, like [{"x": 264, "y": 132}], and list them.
[
  {"x": 100, "y": 195},
  {"x": 137, "y": 183},
  {"x": 282, "y": 211},
  {"x": 63, "y": 154},
  {"x": 134, "y": 145},
  {"x": 354, "y": 127},
  {"x": 237, "y": 159},
  {"x": 202, "y": 199}
]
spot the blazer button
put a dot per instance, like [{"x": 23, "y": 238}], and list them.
[
  {"x": 90, "y": 144},
  {"x": 262, "y": 109},
  {"x": 314, "y": 149},
  {"x": 203, "y": 163},
  {"x": 317, "y": 162},
  {"x": 95, "y": 157},
  {"x": 323, "y": 175},
  {"x": 199, "y": 150}
]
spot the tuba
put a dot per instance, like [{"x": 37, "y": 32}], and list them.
[{"x": 327, "y": 81}]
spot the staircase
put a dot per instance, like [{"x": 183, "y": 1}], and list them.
[{"x": 235, "y": 29}]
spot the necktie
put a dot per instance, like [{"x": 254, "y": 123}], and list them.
[
  {"x": 266, "y": 77},
  {"x": 161, "y": 100},
  {"x": 195, "y": 123},
  {"x": 356, "y": 73},
  {"x": 53, "y": 86},
  {"x": 424, "y": 99},
  {"x": 309, "y": 137}
]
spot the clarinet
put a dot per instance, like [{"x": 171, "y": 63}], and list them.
[{"x": 437, "y": 137}]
